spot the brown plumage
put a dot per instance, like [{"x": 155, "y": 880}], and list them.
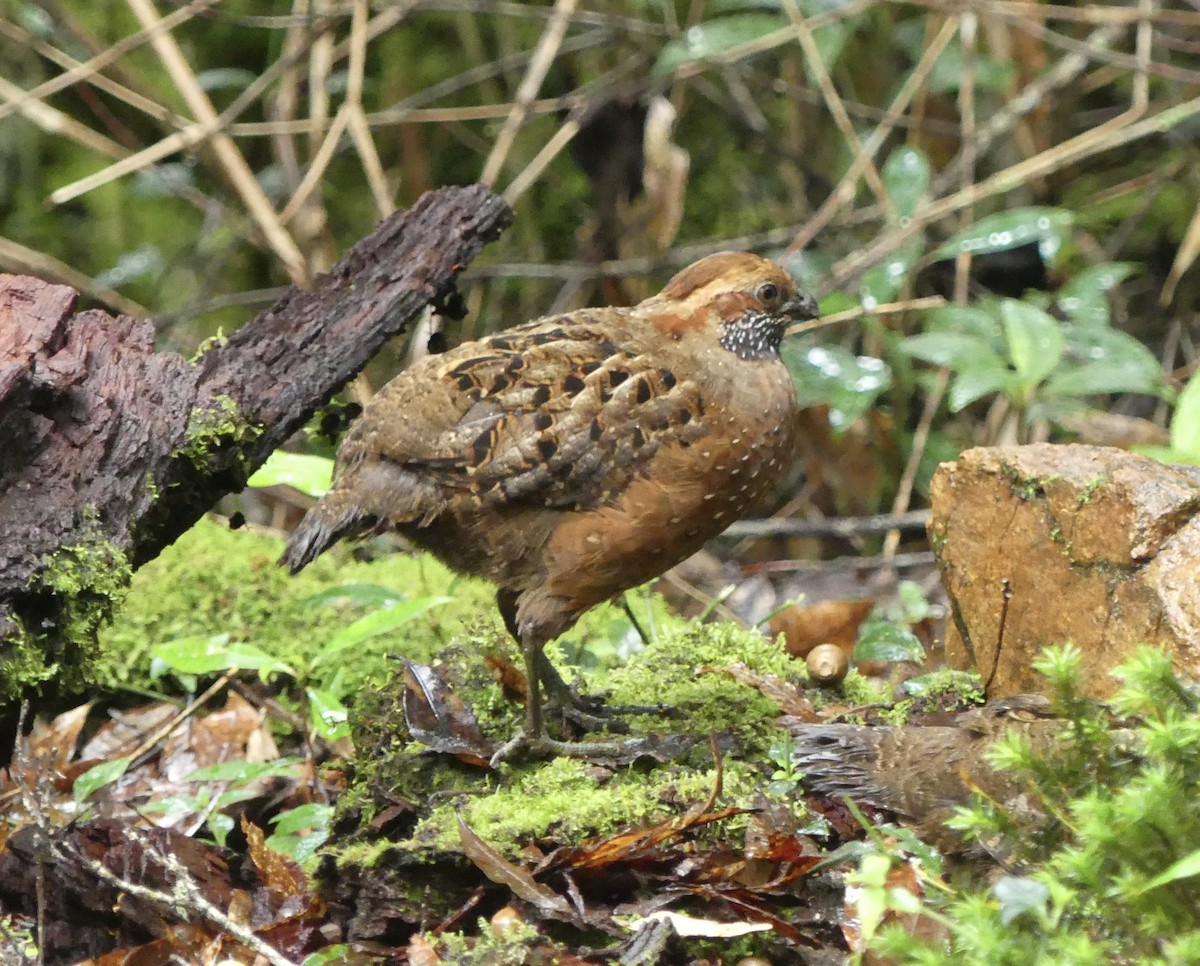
[{"x": 579, "y": 455}]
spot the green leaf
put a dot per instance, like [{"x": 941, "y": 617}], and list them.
[
  {"x": 906, "y": 177},
  {"x": 881, "y": 282},
  {"x": 98, "y": 776},
  {"x": 1184, "y": 868},
  {"x": 300, "y": 831},
  {"x": 833, "y": 376},
  {"x": 302, "y": 818},
  {"x": 1084, "y": 299},
  {"x": 220, "y": 825},
  {"x": 1035, "y": 340},
  {"x": 204, "y": 655},
  {"x": 715, "y": 37},
  {"x": 948, "y": 71},
  {"x": 378, "y": 622},
  {"x": 330, "y": 718},
  {"x": 1168, "y": 454},
  {"x": 225, "y": 78},
  {"x": 240, "y": 771},
  {"x": 1019, "y": 895},
  {"x": 1185, "y": 423},
  {"x": 1098, "y": 378},
  {"x": 330, "y": 954},
  {"x": 1012, "y": 229},
  {"x": 1112, "y": 347},
  {"x": 308, "y": 474},
  {"x": 885, "y": 641},
  {"x": 970, "y": 320},
  {"x": 976, "y": 380},
  {"x": 372, "y": 595},
  {"x": 144, "y": 261},
  {"x": 951, "y": 349}
]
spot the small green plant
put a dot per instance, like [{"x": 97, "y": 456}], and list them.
[
  {"x": 189, "y": 657},
  {"x": 786, "y": 775},
  {"x": 1185, "y": 428},
  {"x": 1045, "y": 367},
  {"x": 1110, "y": 874}
]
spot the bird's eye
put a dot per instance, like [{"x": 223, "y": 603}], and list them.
[{"x": 768, "y": 293}]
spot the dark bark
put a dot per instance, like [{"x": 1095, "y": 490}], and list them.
[{"x": 110, "y": 450}]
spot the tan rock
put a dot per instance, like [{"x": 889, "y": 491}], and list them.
[{"x": 1090, "y": 545}]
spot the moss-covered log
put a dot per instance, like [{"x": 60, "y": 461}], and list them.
[{"x": 112, "y": 450}]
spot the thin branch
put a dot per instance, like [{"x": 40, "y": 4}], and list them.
[
  {"x": 843, "y": 527},
  {"x": 230, "y": 158},
  {"x": 543, "y": 57}
]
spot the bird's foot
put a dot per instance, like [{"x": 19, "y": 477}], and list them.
[
  {"x": 590, "y": 712},
  {"x": 660, "y": 748}
]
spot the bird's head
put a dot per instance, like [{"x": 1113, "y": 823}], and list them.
[{"x": 747, "y": 300}]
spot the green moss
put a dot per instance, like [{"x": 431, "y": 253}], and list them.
[
  {"x": 961, "y": 687},
  {"x": 560, "y": 800},
  {"x": 214, "y": 580},
  {"x": 80, "y": 585},
  {"x": 1086, "y": 494},
  {"x": 511, "y": 946},
  {"x": 216, "y": 341},
  {"x": 856, "y": 689},
  {"x": 683, "y": 670},
  {"x": 212, "y": 427}
]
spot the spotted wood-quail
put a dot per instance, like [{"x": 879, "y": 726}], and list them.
[{"x": 579, "y": 455}]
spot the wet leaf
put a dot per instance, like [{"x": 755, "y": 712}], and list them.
[
  {"x": 381, "y": 621},
  {"x": 1035, "y": 340},
  {"x": 204, "y": 655},
  {"x": 977, "y": 379},
  {"x": 715, "y": 37},
  {"x": 882, "y": 282},
  {"x": 98, "y": 776},
  {"x": 497, "y": 868},
  {"x": 330, "y": 718},
  {"x": 906, "y": 177},
  {"x": 1101, "y": 378},
  {"x": 1012, "y": 229},
  {"x": 952, "y": 349},
  {"x": 981, "y": 323},
  {"x": 439, "y": 718},
  {"x": 300, "y": 831},
  {"x": 885, "y": 641},
  {"x": 308, "y": 474},
  {"x": 1120, "y": 361},
  {"x": 833, "y": 376},
  {"x": 1084, "y": 299},
  {"x": 1018, "y": 895}
]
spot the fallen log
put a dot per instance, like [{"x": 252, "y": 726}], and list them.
[{"x": 110, "y": 450}]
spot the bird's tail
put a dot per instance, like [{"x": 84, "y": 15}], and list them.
[{"x": 334, "y": 517}]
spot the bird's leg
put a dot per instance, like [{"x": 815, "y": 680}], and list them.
[
  {"x": 588, "y": 712},
  {"x": 532, "y": 735}
]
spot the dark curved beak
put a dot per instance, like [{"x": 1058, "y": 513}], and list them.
[{"x": 802, "y": 307}]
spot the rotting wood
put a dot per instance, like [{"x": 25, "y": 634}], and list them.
[{"x": 110, "y": 450}]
